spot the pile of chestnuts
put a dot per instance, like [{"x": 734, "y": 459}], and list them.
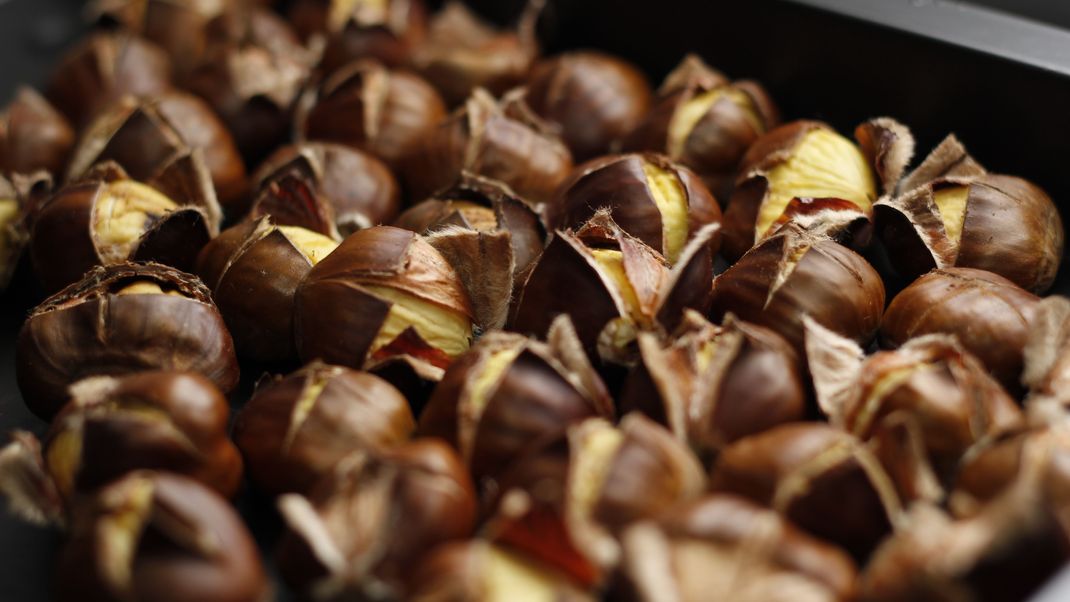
[{"x": 455, "y": 320}]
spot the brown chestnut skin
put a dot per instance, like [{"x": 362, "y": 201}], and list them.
[
  {"x": 360, "y": 188},
  {"x": 172, "y": 421},
  {"x": 296, "y": 429},
  {"x": 389, "y": 32},
  {"x": 159, "y": 536},
  {"x": 817, "y": 476},
  {"x": 696, "y": 544},
  {"x": 367, "y": 106},
  {"x": 989, "y": 315},
  {"x": 793, "y": 274},
  {"x": 34, "y": 135},
  {"x": 178, "y": 28},
  {"x": 102, "y": 326},
  {"x": 365, "y": 527},
  {"x": 103, "y": 68},
  {"x": 633, "y": 187},
  {"x": 20, "y": 198},
  {"x": 591, "y": 98}
]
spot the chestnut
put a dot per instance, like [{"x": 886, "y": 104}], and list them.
[
  {"x": 478, "y": 571},
  {"x": 144, "y": 135},
  {"x": 389, "y": 31},
  {"x": 367, "y": 106},
  {"x": 159, "y": 536},
  {"x": 805, "y": 173},
  {"x": 121, "y": 319},
  {"x": 589, "y": 98},
  {"x": 33, "y": 135},
  {"x": 295, "y": 429},
  {"x": 107, "y": 218},
  {"x": 723, "y": 547},
  {"x": 254, "y": 269},
  {"x": 359, "y": 188},
  {"x": 1046, "y": 370},
  {"x": 367, "y": 524},
  {"x": 711, "y": 385},
  {"x": 383, "y": 295},
  {"x": 807, "y": 472},
  {"x": 972, "y": 219},
  {"x": 650, "y": 197},
  {"x": 795, "y": 273},
  {"x": 103, "y": 68},
  {"x": 482, "y": 138},
  {"x": 704, "y": 122},
  {"x": 20, "y": 198},
  {"x": 989, "y": 314}
]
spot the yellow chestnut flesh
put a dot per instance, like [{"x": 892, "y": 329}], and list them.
[
  {"x": 64, "y": 457},
  {"x": 483, "y": 385},
  {"x": 145, "y": 287},
  {"x": 444, "y": 329},
  {"x": 689, "y": 113},
  {"x": 612, "y": 263},
  {"x": 509, "y": 577},
  {"x": 120, "y": 532},
  {"x": 951, "y": 202},
  {"x": 312, "y": 245},
  {"x": 669, "y": 196},
  {"x": 597, "y": 447},
  {"x": 124, "y": 211}
]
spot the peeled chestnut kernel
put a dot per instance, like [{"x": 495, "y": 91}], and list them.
[
  {"x": 144, "y": 136},
  {"x": 376, "y": 516},
  {"x": 360, "y": 189},
  {"x": 254, "y": 270},
  {"x": 965, "y": 217},
  {"x": 819, "y": 477},
  {"x": 103, "y": 68},
  {"x": 804, "y": 172},
  {"x": 383, "y": 295},
  {"x": 509, "y": 391},
  {"x": 988, "y": 314},
  {"x": 703, "y": 121},
  {"x": 108, "y": 218},
  {"x": 121, "y": 319},
  {"x": 478, "y": 571},
  {"x": 655, "y": 200},
  {"x": 463, "y": 53},
  {"x": 33, "y": 135},
  {"x": 617, "y": 286},
  {"x": 295, "y": 429},
  {"x": 590, "y": 98},
  {"x": 483, "y": 138},
  {"x": 159, "y": 536},
  {"x": 795, "y": 273},
  {"x": 389, "y": 31},
  {"x": 722, "y": 547},
  {"x": 367, "y": 106},
  {"x": 711, "y": 385}
]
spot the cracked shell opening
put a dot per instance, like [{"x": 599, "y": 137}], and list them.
[
  {"x": 124, "y": 211},
  {"x": 444, "y": 329}
]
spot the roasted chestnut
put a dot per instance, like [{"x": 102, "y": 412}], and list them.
[
  {"x": 989, "y": 314},
  {"x": 819, "y": 477},
  {"x": 482, "y": 138},
  {"x": 108, "y": 218},
  {"x": 366, "y": 525},
  {"x": 972, "y": 219},
  {"x": 121, "y": 319},
  {"x": 296, "y": 429},
  {"x": 159, "y": 536},
  {"x": 33, "y": 135},
  {"x": 704, "y": 122},
  {"x": 722, "y": 547},
  {"x": 1047, "y": 354},
  {"x": 383, "y": 295},
  {"x": 360, "y": 189},
  {"x": 588, "y": 98},
  {"x": 103, "y": 68},
  {"x": 711, "y": 385},
  {"x": 389, "y": 31},
  {"x": 655, "y": 200},
  {"x": 805, "y": 173},
  {"x": 795, "y": 273},
  {"x": 20, "y": 197},
  {"x": 367, "y": 106}
]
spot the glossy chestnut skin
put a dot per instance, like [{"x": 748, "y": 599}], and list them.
[
  {"x": 405, "y": 502},
  {"x": 361, "y": 189},
  {"x": 103, "y": 68},
  {"x": 367, "y": 106},
  {"x": 33, "y": 135},
  {"x": 989, "y": 314},
  {"x": 178, "y": 28},
  {"x": 296, "y": 429},
  {"x": 591, "y": 98},
  {"x": 772, "y": 286},
  {"x": 155, "y": 420},
  {"x": 160, "y": 536},
  {"x": 88, "y": 330}
]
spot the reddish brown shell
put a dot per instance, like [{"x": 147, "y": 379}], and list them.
[{"x": 34, "y": 135}]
